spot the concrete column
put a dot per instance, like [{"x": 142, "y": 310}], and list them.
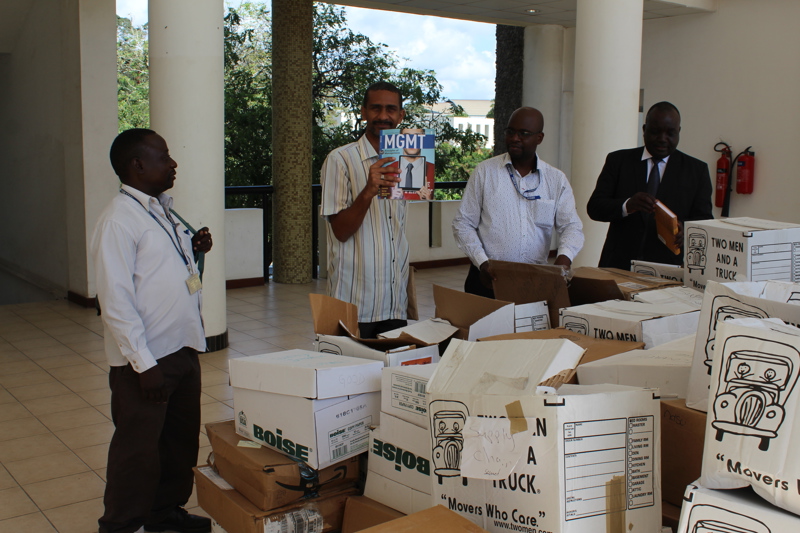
[
  {"x": 292, "y": 24},
  {"x": 541, "y": 83},
  {"x": 186, "y": 108},
  {"x": 608, "y": 50}
]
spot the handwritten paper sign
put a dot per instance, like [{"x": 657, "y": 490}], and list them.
[{"x": 490, "y": 449}]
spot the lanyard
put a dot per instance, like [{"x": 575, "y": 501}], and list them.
[
  {"x": 177, "y": 245},
  {"x": 525, "y": 194}
]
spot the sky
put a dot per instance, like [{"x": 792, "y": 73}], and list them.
[{"x": 460, "y": 52}]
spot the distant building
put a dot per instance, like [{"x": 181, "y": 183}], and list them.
[{"x": 475, "y": 120}]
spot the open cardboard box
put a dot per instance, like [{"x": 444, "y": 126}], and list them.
[
  {"x": 438, "y": 519},
  {"x": 361, "y": 512}
]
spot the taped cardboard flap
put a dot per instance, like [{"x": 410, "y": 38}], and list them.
[
  {"x": 462, "y": 309},
  {"x": 327, "y": 312}
]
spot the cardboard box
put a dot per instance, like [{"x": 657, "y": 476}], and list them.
[
  {"x": 753, "y": 424},
  {"x": 667, "y": 295},
  {"x": 670, "y": 517},
  {"x": 534, "y": 316},
  {"x": 683, "y": 433},
  {"x": 400, "y": 451},
  {"x": 235, "y": 513},
  {"x": 658, "y": 270},
  {"x": 306, "y": 374},
  {"x": 269, "y": 478},
  {"x": 403, "y": 393},
  {"x": 585, "y": 459},
  {"x": 632, "y": 321},
  {"x": 436, "y": 519},
  {"x": 523, "y": 283},
  {"x": 474, "y": 316},
  {"x": 732, "y": 511},
  {"x": 740, "y": 249},
  {"x": 317, "y": 432},
  {"x": 683, "y": 344},
  {"x": 665, "y": 370},
  {"x": 591, "y": 285},
  {"x": 432, "y": 331},
  {"x": 336, "y": 327},
  {"x": 734, "y": 300},
  {"x": 361, "y": 512},
  {"x": 396, "y": 495}
]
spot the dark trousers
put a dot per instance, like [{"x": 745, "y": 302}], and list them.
[
  {"x": 371, "y": 330},
  {"x": 154, "y": 446},
  {"x": 473, "y": 284}
]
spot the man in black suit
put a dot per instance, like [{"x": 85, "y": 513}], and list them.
[{"x": 629, "y": 185}]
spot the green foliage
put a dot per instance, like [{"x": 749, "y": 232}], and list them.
[{"x": 133, "y": 76}]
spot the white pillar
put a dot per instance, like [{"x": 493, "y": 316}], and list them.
[
  {"x": 541, "y": 83},
  {"x": 187, "y": 109},
  {"x": 608, "y": 55}
]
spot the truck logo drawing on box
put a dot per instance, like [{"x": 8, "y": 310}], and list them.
[
  {"x": 329, "y": 347},
  {"x": 696, "y": 249},
  {"x": 725, "y": 308},
  {"x": 448, "y": 419},
  {"x": 753, "y": 387},
  {"x": 576, "y": 324},
  {"x": 713, "y": 519},
  {"x": 646, "y": 270}
]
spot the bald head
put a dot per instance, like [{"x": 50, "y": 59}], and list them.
[
  {"x": 524, "y": 134},
  {"x": 529, "y": 114}
]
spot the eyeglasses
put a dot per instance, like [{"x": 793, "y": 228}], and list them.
[{"x": 522, "y": 134}]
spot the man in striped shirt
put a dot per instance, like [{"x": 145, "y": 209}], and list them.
[{"x": 367, "y": 247}]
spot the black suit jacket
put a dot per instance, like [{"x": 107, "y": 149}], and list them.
[{"x": 685, "y": 188}]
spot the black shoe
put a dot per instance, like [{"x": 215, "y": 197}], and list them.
[{"x": 181, "y": 521}]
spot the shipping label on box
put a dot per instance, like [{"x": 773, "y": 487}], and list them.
[
  {"x": 753, "y": 422},
  {"x": 318, "y": 432},
  {"x": 652, "y": 324},
  {"x": 403, "y": 393},
  {"x": 584, "y": 460},
  {"x": 740, "y": 249},
  {"x": 665, "y": 370},
  {"x": 731, "y": 511},
  {"x": 724, "y": 301},
  {"x": 658, "y": 270},
  {"x": 401, "y": 452},
  {"x": 534, "y": 316}
]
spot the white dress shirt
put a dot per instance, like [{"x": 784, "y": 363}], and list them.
[
  {"x": 147, "y": 309},
  {"x": 495, "y": 222}
]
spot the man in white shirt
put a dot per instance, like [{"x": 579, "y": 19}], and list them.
[
  {"x": 149, "y": 292},
  {"x": 511, "y": 206}
]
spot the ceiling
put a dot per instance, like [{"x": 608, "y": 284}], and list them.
[{"x": 516, "y": 12}]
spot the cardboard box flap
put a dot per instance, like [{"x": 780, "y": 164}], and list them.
[
  {"x": 513, "y": 368},
  {"x": 425, "y": 333},
  {"x": 590, "y": 285},
  {"x": 523, "y": 283},
  {"x": 328, "y": 312},
  {"x": 437, "y": 519},
  {"x": 652, "y": 357},
  {"x": 462, "y": 309},
  {"x": 626, "y": 310},
  {"x": 756, "y": 224}
]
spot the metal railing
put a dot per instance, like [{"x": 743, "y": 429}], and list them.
[{"x": 265, "y": 193}]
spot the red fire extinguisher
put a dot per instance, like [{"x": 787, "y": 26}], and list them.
[
  {"x": 745, "y": 169},
  {"x": 723, "y": 173}
]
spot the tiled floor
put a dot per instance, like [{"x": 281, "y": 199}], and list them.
[{"x": 54, "y": 401}]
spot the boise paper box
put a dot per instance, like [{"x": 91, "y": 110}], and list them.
[
  {"x": 652, "y": 324},
  {"x": 723, "y": 301},
  {"x": 334, "y": 324},
  {"x": 732, "y": 511},
  {"x": 658, "y": 270},
  {"x": 753, "y": 424},
  {"x": 665, "y": 370},
  {"x": 403, "y": 393},
  {"x": 361, "y": 512},
  {"x": 585, "y": 459},
  {"x": 683, "y": 433},
  {"x": 436, "y": 519},
  {"x": 400, "y": 451},
  {"x": 271, "y": 479},
  {"x": 740, "y": 249},
  {"x": 236, "y": 514}
]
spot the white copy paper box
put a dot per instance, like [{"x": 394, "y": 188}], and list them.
[
  {"x": 731, "y": 511},
  {"x": 403, "y": 392},
  {"x": 665, "y": 370},
  {"x": 306, "y": 374},
  {"x": 753, "y": 423},
  {"x": 723, "y": 301},
  {"x": 401, "y": 451}
]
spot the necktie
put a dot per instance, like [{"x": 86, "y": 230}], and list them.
[
  {"x": 409, "y": 179},
  {"x": 654, "y": 179}
]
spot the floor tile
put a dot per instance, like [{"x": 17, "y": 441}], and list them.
[
  {"x": 65, "y": 490},
  {"x": 87, "y": 436},
  {"x": 17, "y": 367},
  {"x": 27, "y": 378},
  {"x": 14, "y": 502},
  {"x": 87, "y": 383},
  {"x": 86, "y": 346},
  {"x": 29, "y": 523},
  {"x": 72, "y": 419},
  {"x": 21, "y": 427},
  {"x": 77, "y": 517},
  {"x": 27, "y": 447},
  {"x": 95, "y": 457},
  {"x": 39, "y": 341},
  {"x": 105, "y": 409},
  {"x": 215, "y": 377},
  {"x": 48, "y": 351},
  {"x": 59, "y": 361},
  {"x": 13, "y": 411},
  {"x": 46, "y": 467},
  {"x": 219, "y": 392},
  {"x": 102, "y": 473},
  {"x": 6, "y": 397},
  {"x": 6, "y": 480},
  {"x": 96, "y": 397},
  {"x": 76, "y": 371},
  {"x": 42, "y": 390},
  {"x": 215, "y": 412},
  {"x": 94, "y": 357},
  {"x": 55, "y": 404}
]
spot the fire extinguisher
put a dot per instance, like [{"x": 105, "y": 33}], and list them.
[
  {"x": 723, "y": 173},
  {"x": 745, "y": 168}
]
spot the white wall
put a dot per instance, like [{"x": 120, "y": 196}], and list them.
[
  {"x": 734, "y": 75},
  {"x": 417, "y": 231},
  {"x": 244, "y": 243}
]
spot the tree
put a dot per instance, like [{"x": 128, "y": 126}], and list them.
[{"x": 133, "y": 76}]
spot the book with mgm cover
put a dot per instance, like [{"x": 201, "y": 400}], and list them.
[{"x": 414, "y": 155}]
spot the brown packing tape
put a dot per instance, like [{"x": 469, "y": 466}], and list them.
[
  {"x": 516, "y": 416},
  {"x": 615, "y": 504}
]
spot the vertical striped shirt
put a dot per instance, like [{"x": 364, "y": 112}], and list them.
[{"x": 370, "y": 269}]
